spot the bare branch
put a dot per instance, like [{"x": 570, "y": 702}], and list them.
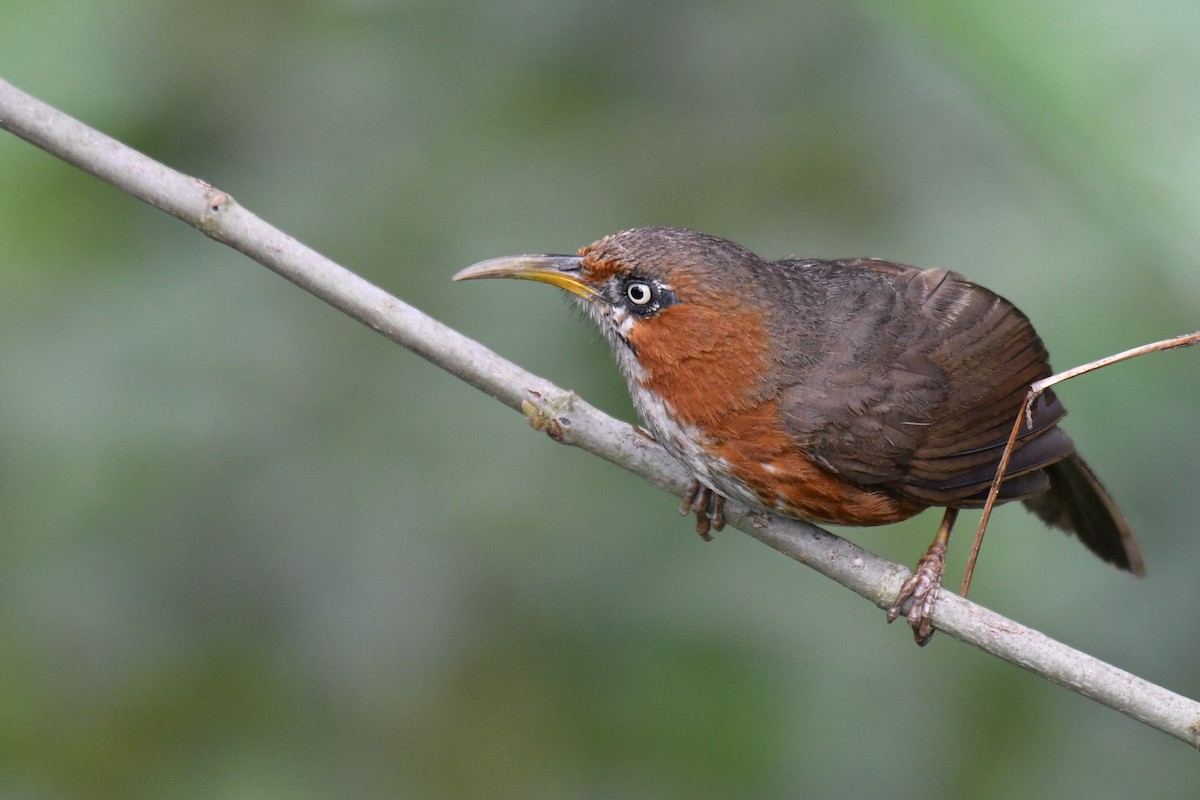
[
  {"x": 566, "y": 417},
  {"x": 1186, "y": 340},
  {"x": 1026, "y": 412}
]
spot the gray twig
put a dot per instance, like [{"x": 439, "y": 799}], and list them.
[{"x": 568, "y": 418}]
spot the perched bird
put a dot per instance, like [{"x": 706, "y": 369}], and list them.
[{"x": 853, "y": 392}]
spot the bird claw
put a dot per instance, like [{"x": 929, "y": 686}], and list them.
[
  {"x": 709, "y": 507},
  {"x": 920, "y": 592}
]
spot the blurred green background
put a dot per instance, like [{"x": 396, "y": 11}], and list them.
[{"x": 250, "y": 549}]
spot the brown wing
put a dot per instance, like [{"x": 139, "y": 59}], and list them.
[{"x": 922, "y": 376}]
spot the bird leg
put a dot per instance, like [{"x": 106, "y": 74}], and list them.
[
  {"x": 709, "y": 507},
  {"x": 922, "y": 586}
]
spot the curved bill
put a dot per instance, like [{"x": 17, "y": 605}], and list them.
[{"x": 560, "y": 271}]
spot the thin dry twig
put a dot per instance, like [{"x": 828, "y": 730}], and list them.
[
  {"x": 569, "y": 419},
  {"x": 1026, "y": 413}
]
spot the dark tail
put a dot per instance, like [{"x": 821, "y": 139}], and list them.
[{"x": 1079, "y": 504}]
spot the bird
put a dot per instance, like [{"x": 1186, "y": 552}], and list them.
[{"x": 852, "y": 392}]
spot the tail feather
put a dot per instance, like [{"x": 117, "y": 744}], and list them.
[{"x": 1079, "y": 504}]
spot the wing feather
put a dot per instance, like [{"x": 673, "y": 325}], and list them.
[{"x": 922, "y": 376}]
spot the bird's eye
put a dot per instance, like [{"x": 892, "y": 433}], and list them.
[{"x": 639, "y": 293}]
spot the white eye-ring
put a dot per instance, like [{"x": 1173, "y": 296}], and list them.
[{"x": 639, "y": 293}]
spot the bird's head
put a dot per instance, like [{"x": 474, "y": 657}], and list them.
[
  {"x": 639, "y": 283},
  {"x": 681, "y": 310}
]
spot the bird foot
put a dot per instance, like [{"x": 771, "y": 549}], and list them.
[
  {"x": 920, "y": 592},
  {"x": 709, "y": 507}
]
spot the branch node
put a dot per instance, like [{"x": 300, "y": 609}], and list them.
[
  {"x": 551, "y": 419},
  {"x": 215, "y": 202}
]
